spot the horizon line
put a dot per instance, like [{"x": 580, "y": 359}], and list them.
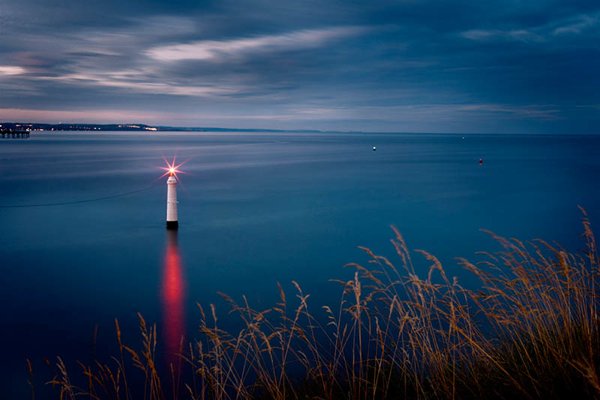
[{"x": 138, "y": 126}]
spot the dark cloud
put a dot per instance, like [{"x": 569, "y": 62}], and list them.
[{"x": 497, "y": 66}]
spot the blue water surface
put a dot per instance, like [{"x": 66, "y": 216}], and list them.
[{"x": 255, "y": 209}]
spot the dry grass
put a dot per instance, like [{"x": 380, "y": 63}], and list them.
[{"x": 530, "y": 330}]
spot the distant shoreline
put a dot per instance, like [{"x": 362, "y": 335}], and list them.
[
  {"x": 29, "y": 126},
  {"x": 11, "y": 127}
]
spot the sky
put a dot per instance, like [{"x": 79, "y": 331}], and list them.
[{"x": 396, "y": 66}]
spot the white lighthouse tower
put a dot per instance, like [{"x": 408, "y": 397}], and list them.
[{"x": 172, "y": 220}]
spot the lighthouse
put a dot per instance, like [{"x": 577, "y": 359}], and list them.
[
  {"x": 172, "y": 220},
  {"x": 171, "y": 171}
]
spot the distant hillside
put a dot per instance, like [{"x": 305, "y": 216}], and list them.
[{"x": 20, "y": 126}]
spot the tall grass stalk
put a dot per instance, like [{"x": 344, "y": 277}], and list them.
[{"x": 528, "y": 330}]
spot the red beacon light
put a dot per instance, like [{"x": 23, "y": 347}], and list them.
[{"x": 172, "y": 169}]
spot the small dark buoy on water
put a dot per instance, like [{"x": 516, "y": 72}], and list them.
[{"x": 481, "y": 161}]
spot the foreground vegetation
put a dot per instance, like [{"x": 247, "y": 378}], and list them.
[{"x": 529, "y": 330}]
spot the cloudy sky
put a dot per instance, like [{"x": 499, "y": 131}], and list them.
[{"x": 382, "y": 65}]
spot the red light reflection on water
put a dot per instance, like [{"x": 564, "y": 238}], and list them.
[{"x": 173, "y": 299}]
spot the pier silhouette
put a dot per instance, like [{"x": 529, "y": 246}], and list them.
[{"x": 14, "y": 134}]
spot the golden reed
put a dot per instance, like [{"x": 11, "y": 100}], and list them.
[{"x": 528, "y": 330}]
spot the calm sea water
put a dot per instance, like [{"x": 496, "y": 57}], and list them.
[{"x": 255, "y": 209}]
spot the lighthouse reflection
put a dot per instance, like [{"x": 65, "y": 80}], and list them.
[{"x": 173, "y": 298}]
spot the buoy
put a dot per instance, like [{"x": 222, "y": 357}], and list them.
[
  {"x": 374, "y": 148},
  {"x": 480, "y": 161}
]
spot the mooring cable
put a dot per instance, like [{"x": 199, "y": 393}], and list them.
[{"x": 66, "y": 203}]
